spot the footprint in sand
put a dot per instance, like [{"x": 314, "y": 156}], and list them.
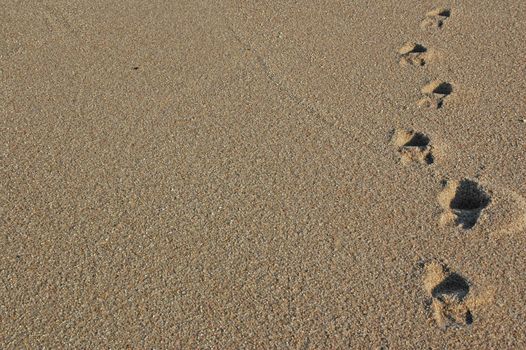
[
  {"x": 435, "y": 93},
  {"x": 413, "y": 146},
  {"x": 463, "y": 202},
  {"x": 448, "y": 301},
  {"x": 413, "y": 54},
  {"x": 434, "y": 19}
]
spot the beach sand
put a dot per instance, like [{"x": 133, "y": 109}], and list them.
[{"x": 263, "y": 175}]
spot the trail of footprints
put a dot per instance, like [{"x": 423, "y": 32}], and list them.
[{"x": 449, "y": 301}]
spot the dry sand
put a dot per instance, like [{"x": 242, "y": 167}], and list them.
[{"x": 252, "y": 174}]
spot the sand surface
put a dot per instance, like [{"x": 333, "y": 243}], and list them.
[{"x": 263, "y": 174}]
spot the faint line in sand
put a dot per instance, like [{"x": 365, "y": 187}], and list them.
[{"x": 314, "y": 112}]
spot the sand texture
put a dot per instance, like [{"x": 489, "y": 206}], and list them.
[{"x": 180, "y": 174}]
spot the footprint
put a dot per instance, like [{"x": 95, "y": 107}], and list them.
[
  {"x": 463, "y": 202},
  {"x": 413, "y": 54},
  {"x": 413, "y": 146},
  {"x": 435, "y": 93},
  {"x": 448, "y": 295},
  {"x": 435, "y": 19}
]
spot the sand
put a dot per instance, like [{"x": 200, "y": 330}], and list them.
[{"x": 263, "y": 175}]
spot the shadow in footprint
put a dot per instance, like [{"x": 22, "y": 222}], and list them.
[
  {"x": 442, "y": 12},
  {"x": 468, "y": 203},
  {"x": 413, "y": 146},
  {"x": 453, "y": 285},
  {"x": 435, "y": 93},
  {"x": 448, "y": 302},
  {"x": 469, "y": 318},
  {"x": 435, "y": 18},
  {"x": 413, "y": 54},
  {"x": 443, "y": 89},
  {"x": 417, "y": 139},
  {"x": 463, "y": 203}
]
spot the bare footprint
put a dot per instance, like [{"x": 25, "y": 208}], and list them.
[
  {"x": 463, "y": 202},
  {"x": 434, "y": 19},
  {"x": 413, "y": 146},
  {"x": 435, "y": 93},
  {"x": 413, "y": 54},
  {"x": 448, "y": 296}
]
